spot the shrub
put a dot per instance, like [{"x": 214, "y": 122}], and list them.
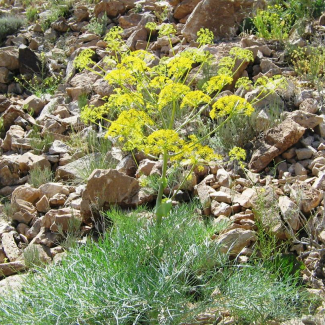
[
  {"x": 98, "y": 25},
  {"x": 32, "y": 13},
  {"x": 39, "y": 176},
  {"x": 119, "y": 281},
  {"x": 9, "y": 25}
]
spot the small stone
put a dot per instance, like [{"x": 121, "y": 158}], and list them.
[
  {"x": 43, "y": 204},
  {"x": 305, "y": 153}
]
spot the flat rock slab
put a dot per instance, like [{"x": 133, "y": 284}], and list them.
[
  {"x": 10, "y": 247},
  {"x": 11, "y": 268}
]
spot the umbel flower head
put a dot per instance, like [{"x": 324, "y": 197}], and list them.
[
  {"x": 171, "y": 93},
  {"x": 231, "y": 105},
  {"x": 129, "y": 128}
]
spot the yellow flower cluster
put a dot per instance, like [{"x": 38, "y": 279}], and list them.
[
  {"x": 194, "y": 153},
  {"x": 166, "y": 30},
  {"x": 237, "y": 153},
  {"x": 205, "y": 36},
  {"x": 121, "y": 76},
  {"x": 231, "y": 105},
  {"x": 129, "y": 128},
  {"x": 194, "y": 99},
  {"x": 162, "y": 141},
  {"x": 172, "y": 93},
  {"x": 178, "y": 66},
  {"x": 244, "y": 82},
  {"x": 84, "y": 59},
  {"x": 216, "y": 84},
  {"x": 93, "y": 114}
]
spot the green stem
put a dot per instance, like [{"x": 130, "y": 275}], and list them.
[
  {"x": 162, "y": 186},
  {"x": 171, "y": 122},
  {"x": 183, "y": 181}
]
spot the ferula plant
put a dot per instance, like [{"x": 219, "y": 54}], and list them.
[{"x": 154, "y": 103}]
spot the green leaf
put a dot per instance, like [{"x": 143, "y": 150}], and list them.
[{"x": 164, "y": 208}]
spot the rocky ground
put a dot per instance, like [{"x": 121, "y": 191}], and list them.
[{"x": 286, "y": 169}]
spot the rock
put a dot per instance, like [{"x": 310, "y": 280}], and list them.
[
  {"x": 51, "y": 189},
  {"x": 43, "y": 204},
  {"x": 61, "y": 219},
  {"x": 34, "y": 229},
  {"x": 112, "y": 8},
  {"x": 306, "y": 197},
  {"x": 112, "y": 187},
  {"x": 60, "y": 25},
  {"x": 25, "y": 192},
  {"x": 322, "y": 20},
  {"x": 29, "y": 161},
  {"x": 305, "y": 119},
  {"x": 29, "y": 61},
  {"x": 35, "y": 104},
  {"x": 103, "y": 88},
  {"x": 25, "y": 211},
  {"x": 81, "y": 13},
  {"x": 245, "y": 199},
  {"x": 59, "y": 147},
  {"x": 131, "y": 20},
  {"x": 9, "y": 172},
  {"x": 222, "y": 17},
  {"x": 204, "y": 191},
  {"x": 220, "y": 209},
  {"x": 185, "y": 8},
  {"x": 145, "y": 167},
  {"x": 11, "y": 283},
  {"x": 10, "y": 247},
  {"x": 269, "y": 68},
  {"x": 5, "y": 75},
  {"x": 305, "y": 153},
  {"x": 276, "y": 141},
  {"x": 140, "y": 34},
  {"x": 309, "y": 105},
  {"x": 223, "y": 178},
  {"x": 127, "y": 166},
  {"x": 320, "y": 129},
  {"x": 290, "y": 212},
  {"x": 37, "y": 254},
  {"x": 11, "y": 268},
  {"x": 300, "y": 170},
  {"x": 319, "y": 183},
  {"x": 15, "y": 132},
  {"x": 9, "y": 58},
  {"x": 233, "y": 241},
  {"x": 222, "y": 195},
  {"x": 4, "y": 103}
]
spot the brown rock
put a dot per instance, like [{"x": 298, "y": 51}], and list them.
[
  {"x": 140, "y": 34},
  {"x": 43, "y": 204},
  {"x": 130, "y": 20},
  {"x": 11, "y": 268},
  {"x": 50, "y": 189},
  {"x": 306, "y": 197},
  {"x": 305, "y": 119},
  {"x": 112, "y": 8},
  {"x": 9, "y": 172},
  {"x": 290, "y": 212},
  {"x": 15, "y": 131},
  {"x": 106, "y": 187},
  {"x": 25, "y": 211},
  {"x": 221, "y": 16},
  {"x": 60, "y": 25},
  {"x": 35, "y": 103},
  {"x": 9, "y": 58},
  {"x": 81, "y": 13},
  {"x": 10, "y": 247},
  {"x": 25, "y": 192},
  {"x": 185, "y": 8},
  {"x": 233, "y": 241},
  {"x": 60, "y": 219},
  {"x": 276, "y": 141}
]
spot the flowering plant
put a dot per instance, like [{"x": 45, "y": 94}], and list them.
[{"x": 156, "y": 102}]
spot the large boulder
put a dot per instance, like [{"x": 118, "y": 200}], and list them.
[
  {"x": 222, "y": 17},
  {"x": 276, "y": 141},
  {"x": 106, "y": 187}
]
